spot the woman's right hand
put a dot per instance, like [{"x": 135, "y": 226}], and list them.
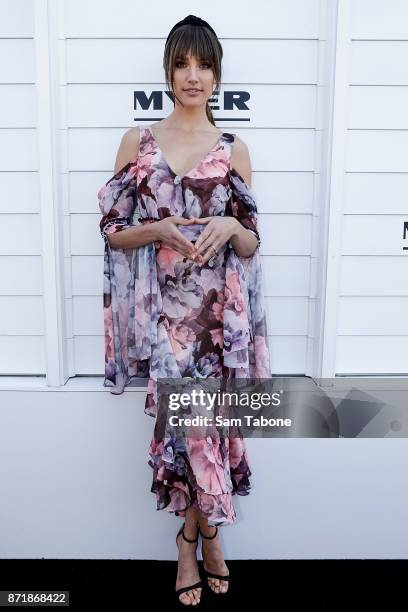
[{"x": 169, "y": 235}]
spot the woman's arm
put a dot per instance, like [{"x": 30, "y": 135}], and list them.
[
  {"x": 243, "y": 240},
  {"x": 133, "y": 236}
]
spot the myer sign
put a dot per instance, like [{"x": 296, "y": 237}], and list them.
[{"x": 231, "y": 100}]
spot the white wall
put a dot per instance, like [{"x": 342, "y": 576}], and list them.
[
  {"x": 22, "y": 327},
  {"x": 372, "y": 327},
  {"x": 327, "y": 137},
  {"x": 276, "y": 60}
]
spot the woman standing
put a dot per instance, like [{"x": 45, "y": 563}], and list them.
[{"x": 183, "y": 289}]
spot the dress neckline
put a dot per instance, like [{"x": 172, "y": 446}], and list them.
[{"x": 200, "y": 161}]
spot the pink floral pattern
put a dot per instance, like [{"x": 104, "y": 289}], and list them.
[{"x": 167, "y": 317}]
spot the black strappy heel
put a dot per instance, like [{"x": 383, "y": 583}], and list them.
[
  {"x": 210, "y": 574},
  {"x": 198, "y": 584}
]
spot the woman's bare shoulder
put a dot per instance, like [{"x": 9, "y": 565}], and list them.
[
  {"x": 128, "y": 148},
  {"x": 240, "y": 159}
]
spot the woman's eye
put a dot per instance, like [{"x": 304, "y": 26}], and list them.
[{"x": 203, "y": 64}]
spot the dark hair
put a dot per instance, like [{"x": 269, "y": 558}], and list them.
[{"x": 201, "y": 43}]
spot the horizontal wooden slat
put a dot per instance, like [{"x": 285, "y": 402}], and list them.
[
  {"x": 375, "y": 193},
  {"x": 288, "y": 354},
  {"x": 16, "y": 18},
  {"x": 280, "y": 234},
  {"x": 383, "y": 316},
  {"x": 21, "y": 315},
  {"x": 18, "y": 106},
  {"x": 270, "y": 149},
  {"x": 373, "y": 234},
  {"x": 101, "y": 61},
  {"x": 19, "y": 67},
  {"x": 289, "y": 19},
  {"x": 278, "y": 106},
  {"x": 378, "y": 107},
  {"x": 285, "y": 316},
  {"x": 377, "y": 151},
  {"x": 372, "y": 355},
  {"x": 20, "y": 235},
  {"x": 275, "y": 192},
  {"x": 374, "y": 275},
  {"x": 20, "y": 192},
  {"x": 283, "y": 276},
  {"x": 22, "y": 355},
  {"x": 20, "y": 274},
  {"x": 376, "y": 19},
  {"x": 19, "y": 149},
  {"x": 379, "y": 62}
]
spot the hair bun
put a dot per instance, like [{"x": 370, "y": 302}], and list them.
[{"x": 191, "y": 20}]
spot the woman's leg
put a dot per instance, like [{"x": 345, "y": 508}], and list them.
[
  {"x": 213, "y": 557},
  {"x": 187, "y": 572}
]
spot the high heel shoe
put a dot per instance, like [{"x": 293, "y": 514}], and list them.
[
  {"x": 208, "y": 574},
  {"x": 198, "y": 584}
]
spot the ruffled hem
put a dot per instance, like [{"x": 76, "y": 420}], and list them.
[{"x": 179, "y": 485}]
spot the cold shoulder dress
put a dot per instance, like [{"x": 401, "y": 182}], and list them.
[{"x": 167, "y": 317}]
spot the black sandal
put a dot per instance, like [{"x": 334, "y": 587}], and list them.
[
  {"x": 198, "y": 584},
  {"x": 208, "y": 574}
]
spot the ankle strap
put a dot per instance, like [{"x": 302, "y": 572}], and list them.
[
  {"x": 209, "y": 537},
  {"x": 187, "y": 539}
]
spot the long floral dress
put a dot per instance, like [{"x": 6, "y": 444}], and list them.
[{"x": 167, "y": 317}]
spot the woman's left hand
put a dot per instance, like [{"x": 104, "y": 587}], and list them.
[{"x": 218, "y": 231}]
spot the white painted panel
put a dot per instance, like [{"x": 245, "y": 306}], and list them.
[
  {"x": 27, "y": 228},
  {"x": 375, "y": 316},
  {"x": 377, "y": 151},
  {"x": 376, "y": 193},
  {"x": 16, "y": 18},
  {"x": 373, "y": 234},
  {"x": 89, "y": 354},
  {"x": 286, "y": 276},
  {"x": 87, "y": 315},
  {"x": 284, "y": 192},
  {"x": 280, "y": 234},
  {"x": 22, "y": 355},
  {"x": 282, "y": 276},
  {"x": 379, "y": 62},
  {"x": 288, "y": 354},
  {"x": 25, "y": 198},
  {"x": 83, "y": 189},
  {"x": 87, "y": 275},
  {"x": 278, "y": 106},
  {"x": 378, "y": 107},
  {"x": 20, "y": 275},
  {"x": 270, "y": 149},
  {"x": 379, "y": 19},
  {"x": 21, "y": 315},
  {"x": 101, "y": 18},
  {"x": 372, "y": 355},
  {"x": 19, "y": 67},
  {"x": 101, "y": 61},
  {"x": 18, "y": 106},
  {"x": 374, "y": 275},
  {"x": 18, "y": 150},
  {"x": 287, "y": 315}
]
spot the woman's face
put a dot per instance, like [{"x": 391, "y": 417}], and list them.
[{"x": 192, "y": 73}]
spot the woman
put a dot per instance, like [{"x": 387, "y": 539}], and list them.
[{"x": 182, "y": 290}]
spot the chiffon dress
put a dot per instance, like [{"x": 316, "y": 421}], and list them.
[{"x": 165, "y": 316}]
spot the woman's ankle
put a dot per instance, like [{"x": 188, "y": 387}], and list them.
[{"x": 208, "y": 530}]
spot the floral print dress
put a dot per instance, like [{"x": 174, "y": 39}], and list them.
[{"x": 167, "y": 317}]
